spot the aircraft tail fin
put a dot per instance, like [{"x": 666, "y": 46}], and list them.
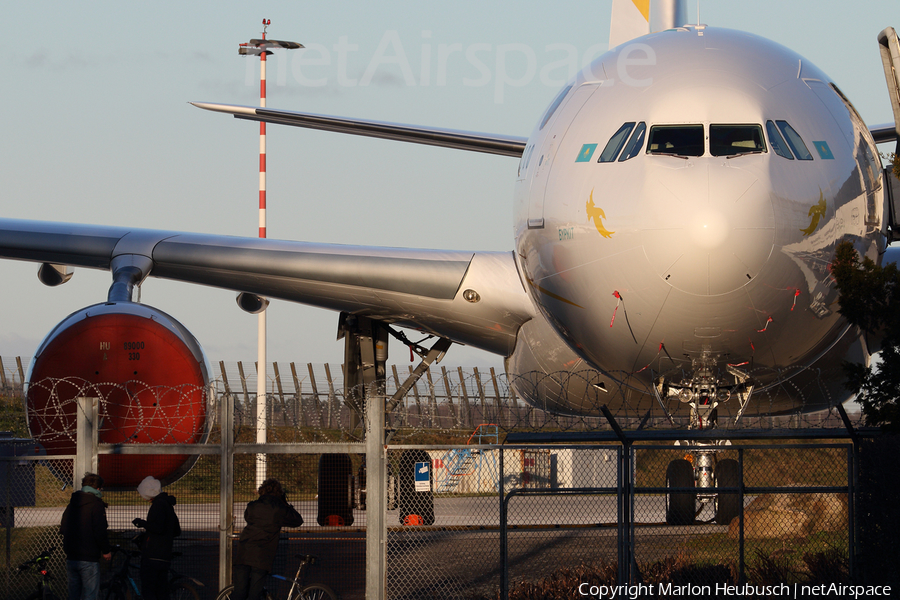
[
  {"x": 668, "y": 14},
  {"x": 630, "y": 19},
  {"x": 634, "y": 18}
]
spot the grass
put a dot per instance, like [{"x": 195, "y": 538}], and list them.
[
  {"x": 709, "y": 549},
  {"x": 795, "y": 466},
  {"x": 826, "y": 567},
  {"x": 24, "y": 544},
  {"x": 12, "y": 416}
]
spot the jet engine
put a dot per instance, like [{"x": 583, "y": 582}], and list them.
[{"x": 151, "y": 378}]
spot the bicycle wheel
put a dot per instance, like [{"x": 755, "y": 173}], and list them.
[
  {"x": 316, "y": 591},
  {"x": 225, "y": 594},
  {"x": 182, "y": 590}
]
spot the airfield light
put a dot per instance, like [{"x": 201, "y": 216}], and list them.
[{"x": 262, "y": 47}]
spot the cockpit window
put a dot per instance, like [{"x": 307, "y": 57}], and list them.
[
  {"x": 680, "y": 140},
  {"x": 635, "y": 143},
  {"x": 731, "y": 140},
  {"x": 794, "y": 141},
  {"x": 615, "y": 143},
  {"x": 778, "y": 145},
  {"x": 556, "y": 102}
]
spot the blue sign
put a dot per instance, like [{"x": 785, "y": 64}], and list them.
[{"x": 422, "y": 477}]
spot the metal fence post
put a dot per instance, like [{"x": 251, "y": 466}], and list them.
[
  {"x": 376, "y": 484},
  {"x": 249, "y": 409},
  {"x": 454, "y": 416},
  {"x": 480, "y": 387},
  {"x": 226, "y": 489},
  {"x": 415, "y": 389},
  {"x": 852, "y": 480},
  {"x": 280, "y": 388},
  {"x": 742, "y": 578},
  {"x": 9, "y": 514},
  {"x": 504, "y": 545},
  {"x": 432, "y": 399},
  {"x": 497, "y": 400},
  {"x": 86, "y": 436},
  {"x": 464, "y": 406},
  {"x": 331, "y": 399},
  {"x": 21, "y": 371},
  {"x": 634, "y": 574},
  {"x": 299, "y": 417},
  {"x": 621, "y": 492}
]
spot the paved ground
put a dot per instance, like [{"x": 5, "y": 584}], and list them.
[
  {"x": 457, "y": 556},
  {"x": 463, "y": 511}
]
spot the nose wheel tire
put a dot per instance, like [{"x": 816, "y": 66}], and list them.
[
  {"x": 680, "y": 506},
  {"x": 728, "y": 503}
]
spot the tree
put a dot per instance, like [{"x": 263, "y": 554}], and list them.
[{"x": 870, "y": 299}]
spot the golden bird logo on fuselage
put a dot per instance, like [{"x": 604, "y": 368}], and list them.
[
  {"x": 816, "y": 212},
  {"x": 596, "y": 213}
]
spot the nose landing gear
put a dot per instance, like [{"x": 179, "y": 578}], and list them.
[{"x": 688, "y": 479}]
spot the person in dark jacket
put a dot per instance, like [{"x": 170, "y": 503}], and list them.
[
  {"x": 256, "y": 548},
  {"x": 162, "y": 528},
  {"x": 85, "y": 540}
]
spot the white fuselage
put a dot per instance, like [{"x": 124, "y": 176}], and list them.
[{"x": 645, "y": 264}]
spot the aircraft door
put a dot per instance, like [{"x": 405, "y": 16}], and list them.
[{"x": 545, "y": 155}]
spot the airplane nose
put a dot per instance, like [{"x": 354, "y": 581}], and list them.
[{"x": 709, "y": 229}]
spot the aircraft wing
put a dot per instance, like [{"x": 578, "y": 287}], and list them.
[
  {"x": 446, "y": 138},
  {"x": 886, "y": 132},
  {"x": 422, "y": 289}
]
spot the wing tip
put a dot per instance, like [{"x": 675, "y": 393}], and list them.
[{"x": 232, "y": 109}]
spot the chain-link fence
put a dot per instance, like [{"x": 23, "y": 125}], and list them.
[
  {"x": 482, "y": 517},
  {"x": 38, "y": 489},
  {"x": 32, "y": 499},
  {"x": 540, "y": 520},
  {"x": 470, "y": 514}
]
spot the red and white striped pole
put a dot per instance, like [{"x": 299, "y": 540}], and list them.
[
  {"x": 261, "y": 368},
  {"x": 252, "y": 48},
  {"x": 262, "y": 139}
]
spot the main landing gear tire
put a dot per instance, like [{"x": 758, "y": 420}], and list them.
[
  {"x": 335, "y": 491},
  {"x": 728, "y": 503},
  {"x": 680, "y": 506}
]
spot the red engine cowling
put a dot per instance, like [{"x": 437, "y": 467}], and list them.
[{"x": 150, "y": 375}]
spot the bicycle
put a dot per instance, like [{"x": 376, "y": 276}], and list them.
[
  {"x": 42, "y": 563},
  {"x": 298, "y": 591},
  {"x": 122, "y": 586}
]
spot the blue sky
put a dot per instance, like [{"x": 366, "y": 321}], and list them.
[{"x": 96, "y": 128}]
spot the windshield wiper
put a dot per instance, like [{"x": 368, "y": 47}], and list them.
[{"x": 745, "y": 153}]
